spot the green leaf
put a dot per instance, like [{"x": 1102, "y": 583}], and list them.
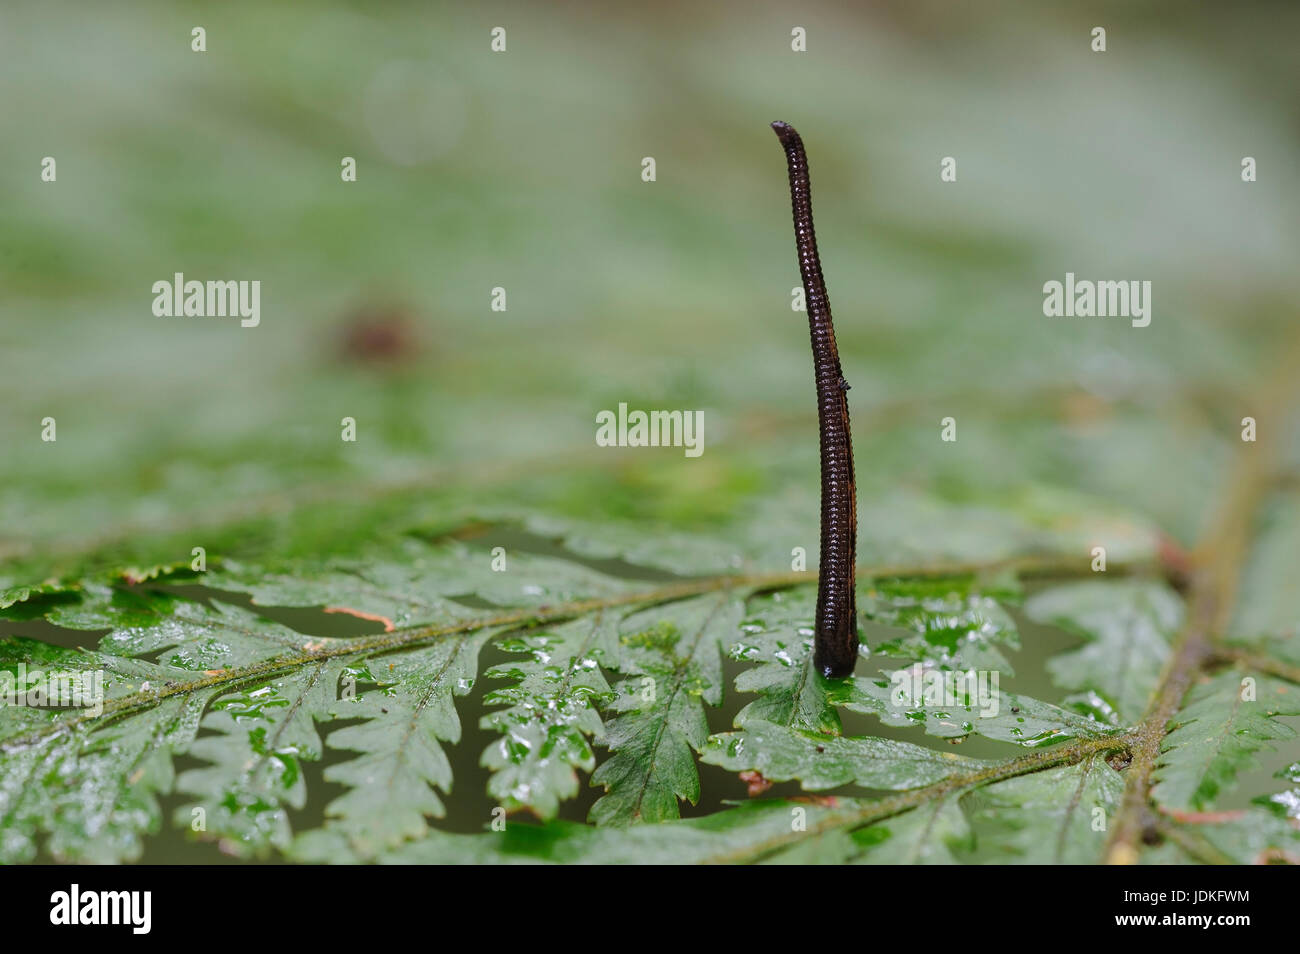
[
  {"x": 672, "y": 656},
  {"x": 1267, "y": 615},
  {"x": 934, "y": 834},
  {"x": 553, "y": 711},
  {"x": 405, "y": 720},
  {"x": 92, "y": 791},
  {"x": 181, "y": 633},
  {"x": 1251, "y": 837},
  {"x": 952, "y": 623},
  {"x": 1223, "y": 723},
  {"x": 260, "y": 738},
  {"x": 820, "y": 762},
  {"x": 951, "y": 705},
  {"x": 778, "y": 639},
  {"x": 1268, "y": 605},
  {"x": 13, "y": 595},
  {"x": 1129, "y": 625},
  {"x": 94, "y": 794},
  {"x": 1059, "y": 816},
  {"x": 747, "y": 832},
  {"x": 412, "y": 582}
]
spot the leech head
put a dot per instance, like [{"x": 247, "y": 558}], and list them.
[
  {"x": 784, "y": 131},
  {"x": 836, "y": 649}
]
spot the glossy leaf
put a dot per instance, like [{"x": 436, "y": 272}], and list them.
[
  {"x": 553, "y": 713},
  {"x": 952, "y": 705},
  {"x": 1129, "y": 626},
  {"x": 779, "y": 754},
  {"x": 1225, "y": 722},
  {"x": 672, "y": 657}
]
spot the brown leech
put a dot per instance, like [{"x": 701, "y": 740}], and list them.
[{"x": 837, "y": 618}]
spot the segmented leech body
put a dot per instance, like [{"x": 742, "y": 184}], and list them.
[{"x": 837, "y": 619}]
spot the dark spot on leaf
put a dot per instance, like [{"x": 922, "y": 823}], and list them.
[{"x": 378, "y": 334}]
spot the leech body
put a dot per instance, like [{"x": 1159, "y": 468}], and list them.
[{"x": 836, "y": 649}]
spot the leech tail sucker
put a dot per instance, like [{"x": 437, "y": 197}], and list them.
[{"x": 836, "y": 650}]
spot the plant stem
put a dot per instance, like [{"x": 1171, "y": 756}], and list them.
[
  {"x": 1248, "y": 659},
  {"x": 1210, "y": 594},
  {"x": 878, "y": 810}
]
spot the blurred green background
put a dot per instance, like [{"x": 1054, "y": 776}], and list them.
[{"x": 522, "y": 170}]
